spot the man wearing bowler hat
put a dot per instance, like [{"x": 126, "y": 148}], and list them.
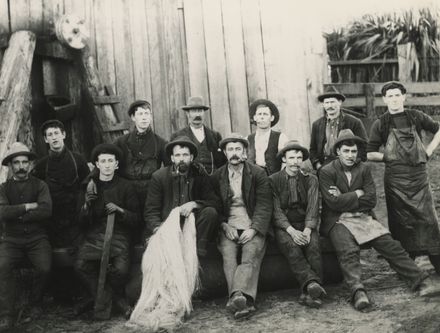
[
  {"x": 326, "y": 129},
  {"x": 25, "y": 207},
  {"x": 206, "y": 140},
  {"x": 112, "y": 194},
  {"x": 245, "y": 216},
  {"x": 265, "y": 143},
  {"x": 184, "y": 184},
  {"x": 349, "y": 196},
  {"x": 296, "y": 215}
]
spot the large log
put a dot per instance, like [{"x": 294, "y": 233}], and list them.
[{"x": 14, "y": 84}]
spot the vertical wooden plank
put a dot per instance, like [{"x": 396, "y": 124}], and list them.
[
  {"x": 36, "y": 16},
  {"x": 184, "y": 48},
  {"x": 235, "y": 66},
  {"x": 157, "y": 52},
  {"x": 19, "y": 10},
  {"x": 215, "y": 58},
  {"x": 403, "y": 52},
  {"x": 104, "y": 43},
  {"x": 174, "y": 64},
  {"x": 122, "y": 52},
  {"x": 253, "y": 49},
  {"x": 195, "y": 42},
  {"x": 4, "y": 17},
  {"x": 89, "y": 17}
]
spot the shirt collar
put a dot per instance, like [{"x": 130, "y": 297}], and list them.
[{"x": 233, "y": 171}]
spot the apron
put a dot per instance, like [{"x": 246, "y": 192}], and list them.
[
  {"x": 412, "y": 218},
  {"x": 362, "y": 226}
]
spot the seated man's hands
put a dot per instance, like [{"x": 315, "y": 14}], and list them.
[
  {"x": 246, "y": 236},
  {"x": 113, "y": 208},
  {"x": 187, "y": 208},
  {"x": 230, "y": 232},
  {"x": 300, "y": 238}
]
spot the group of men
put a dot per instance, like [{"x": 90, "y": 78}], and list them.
[{"x": 241, "y": 190}]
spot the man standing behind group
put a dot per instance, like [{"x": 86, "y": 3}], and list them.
[
  {"x": 205, "y": 139},
  {"x": 326, "y": 129},
  {"x": 63, "y": 171},
  {"x": 412, "y": 217},
  {"x": 246, "y": 198},
  {"x": 296, "y": 215},
  {"x": 265, "y": 143}
]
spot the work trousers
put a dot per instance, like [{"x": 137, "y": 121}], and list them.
[
  {"x": 348, "y": 253},
  {"x": 206, "y": 221},
  {"x": 304, "y": 261},
  {"x": 242, "y": 275},
  {"x": 13, "y": 252}
]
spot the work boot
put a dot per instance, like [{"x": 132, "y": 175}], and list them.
[
  {"x": 6, "y": 323},
  {"x": 429, "y": 287},
  {"x": 237, "y": 302},
  {"x": 360, "y": 300},
  {"x": 315, "y": 290},
  {"x": 244, "y": 313},
  {"x": 307, "y": 300}
]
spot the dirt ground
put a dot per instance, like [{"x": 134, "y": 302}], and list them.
[{"x": 396, "y": 308}]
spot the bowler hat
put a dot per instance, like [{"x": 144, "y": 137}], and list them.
[
  {"x": 293, "y": 145},
  {"x": 345, "y": 135},
  {"x": 106, "y": 148},
  {"x": 51, "y": 123},
  {"x": 195, "y": 102},
  {"x": 18, "y": 149},
  {"x": 182, "y": 141},
  {"x": 234, "y": 137},
  {"x": 133, "y": 106},
  {"x": 329, "y": 92},
  {"x": 273, "y": 109}
]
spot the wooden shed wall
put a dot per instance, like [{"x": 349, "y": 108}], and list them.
[{"x": 231, "y": 52}]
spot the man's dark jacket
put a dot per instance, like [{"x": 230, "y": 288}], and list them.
[
  {"x": 257, "y": 195},
  {"x": 318, "y": 137},
  {"x": 163, "y": 193},
  {"x": 212, "y": 138},
  {"x": 333, "y": 174}
]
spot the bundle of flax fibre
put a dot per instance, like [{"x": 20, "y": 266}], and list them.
[{"x": 169, "y": 275}]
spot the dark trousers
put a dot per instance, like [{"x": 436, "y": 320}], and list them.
[
  {"x": 304, "y": 261},
  {"x": 348, "y": 253},
  {"x": 207, "y": 228},
  {"x": 13, "y": 252}
]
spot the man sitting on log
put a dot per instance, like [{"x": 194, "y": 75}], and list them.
[
  {"x": 183, "y": 184},
  {"x": 296, "y": 215},
  {"x": 63, "y": 171},
  {"x": 111, "y": 195},
  {"x": 25, "y": 206},
  {"x": 349, "y": 195},
  {"x": 245, "y": 217}
]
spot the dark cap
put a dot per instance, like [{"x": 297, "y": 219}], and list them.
[
  {"x": 234, "y": 137},
  {"x": 293, "y": 145},
  {"x": 347, "y": 135},
  {"x": 106, "y": 148},
  {"x": 182, "y": 141},
  {"x": 330, "y": 92},
  {"x": 139, "y": 103},
  {"x": 392, "y": 85},
  {"x": 264, "y": 102},
  {"x": 54, "y": 123}
]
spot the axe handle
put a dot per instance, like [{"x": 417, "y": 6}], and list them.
[{"x": 100, "y": 295}]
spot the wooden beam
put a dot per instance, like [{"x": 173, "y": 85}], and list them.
[
  {"x": 411, "y": 87},
  {"x": 369, "y": 100},
  {"x": 14, "y": 84},
  {"x": 362, "y": 62},
  {"x": 98, "y": 100},
  {"x": 53, "y": 49}
]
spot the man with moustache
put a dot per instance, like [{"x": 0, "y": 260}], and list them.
[
  {"x": 63, "y": 171},
  {"x": 25, "y": 206},
  {"x": 184, "y": 184},
  {"x": 245, "y": 216},
  {"x": 326, "y": 129},
  {"x": 112, "y": 194},
  {"x": 296, "y": 216},
  {"x": 349, "y": 196},
  {"x": 205, "y": 139},
  {"x": 412, "y": 217},
  {"x": 265, "y": 143}
]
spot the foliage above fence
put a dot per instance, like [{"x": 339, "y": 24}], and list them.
[{"x": 377, "y": 37}]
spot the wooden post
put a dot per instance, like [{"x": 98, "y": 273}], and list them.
[
  {"x": 407, "y": 60},
  {"x": 14, "y": 84}
]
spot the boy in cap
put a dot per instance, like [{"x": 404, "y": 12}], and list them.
[
  {"x": 116, "y": 195},
  {"x": 25, "y": 206},
  {"x": 296, "y": 215},
  {"x": 265, "y": 143}
]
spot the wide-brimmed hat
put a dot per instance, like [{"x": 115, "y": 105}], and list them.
[
  {"x": 133, "y": 106},
  {"x": 51, "y": 123},
  {"x": 195, "y": 102},
  {"x": 18, "y": 149},
  {"x": 181, "y": 141},
  {"x": 273, "y": 109},
  {"x": 294, "y": 145},
  {"x": 344, "y": 135},
  {"x": 234, "y": 137},
  {"x": 106, "y": 148},
  {"x": 329, "y": 92}
]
